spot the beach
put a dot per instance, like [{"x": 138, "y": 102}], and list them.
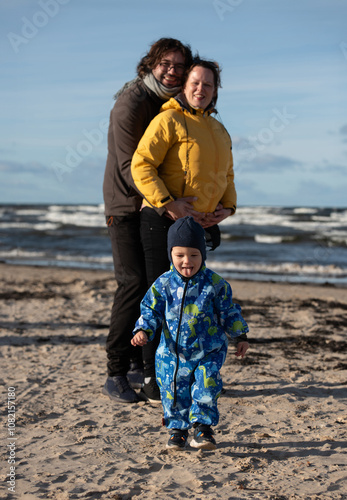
[{"x": 282, "y": 429}]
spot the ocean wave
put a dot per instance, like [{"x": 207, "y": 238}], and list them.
[
  {"x": 281, "y": 268},
  {"x": 44, "y": 226},
  {"x": 272, "y": 240},
  {"x": 257, "y": 216},
  {"x": 106, "y": 259},
  {"x": 263, "y": 243},
  {"x": 83, "y": 216},
  {"x": 305, "y": 210},
  {"x": 18, "y": 253}
]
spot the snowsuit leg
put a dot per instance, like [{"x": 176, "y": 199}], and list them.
[
  {"x": 198, "y": 386},
  {"x": 206, "y": 389},
  {"x": 176, "y": 416}
]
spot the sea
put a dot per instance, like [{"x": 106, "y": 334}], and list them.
[{"x": 277, "y": 244}]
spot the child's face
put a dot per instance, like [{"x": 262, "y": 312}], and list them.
[{"x": 187, "y": 260}]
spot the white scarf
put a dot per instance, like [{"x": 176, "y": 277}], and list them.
[{"x": 158, "y": 88}]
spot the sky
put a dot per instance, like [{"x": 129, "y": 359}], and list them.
[{"x": 283, "y": 97}]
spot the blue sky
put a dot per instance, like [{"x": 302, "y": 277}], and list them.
[{"x": 283, "y": 101}]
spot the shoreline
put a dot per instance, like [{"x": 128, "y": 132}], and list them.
[
  {"x": 282, "y": 429},
  {"x": 63, "y": 271}
]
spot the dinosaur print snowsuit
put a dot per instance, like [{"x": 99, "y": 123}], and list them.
[{"x": 195, "y": 315}]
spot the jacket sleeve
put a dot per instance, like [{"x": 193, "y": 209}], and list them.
[
  {"x": 149, "y": 155},
  {"x": 229, "y": 198},
  {"x": 230, "y": 316},
  {"x": 152, "y": 312}
]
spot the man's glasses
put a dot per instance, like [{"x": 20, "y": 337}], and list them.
[{"x": 178, "y": 68}]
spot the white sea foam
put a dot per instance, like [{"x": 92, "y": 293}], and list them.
[
  {"x": 271, "y": 240},
  {"x": 258, "y": 216},
  {"x": 106, "y": 259},
  {"x": 305, "y": 210},
  {"x": 39, "y": 258},
  {"x": 15, "y": 225},
  {"x": 44, "y": 226},
  {"x": 31, "y": 211},
  {"x": 79, "y": 215},
  {"x": 269, "y": 216},
  {"x": 17, "y": 253},
  {"x": 281, "y": 268}
]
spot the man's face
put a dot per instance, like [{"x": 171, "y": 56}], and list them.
[
  {"x": 187, "y": 260},
  {"x": 170, "y": 69}
]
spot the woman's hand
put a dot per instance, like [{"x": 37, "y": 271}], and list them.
[
  {"x": 183, "y": 207},
  {"x": 216, "y": 217}
]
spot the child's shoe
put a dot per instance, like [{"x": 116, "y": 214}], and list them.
[
  {"x": 203, "y": 437},
  {"x": 178, "y": 439}
]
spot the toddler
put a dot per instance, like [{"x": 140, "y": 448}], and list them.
[{"x": 194, "y": 307}]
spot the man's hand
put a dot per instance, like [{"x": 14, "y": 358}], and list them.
[{"x": 140, "y": 338}]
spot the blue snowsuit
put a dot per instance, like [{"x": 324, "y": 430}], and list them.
[{"x": 195, "y": 314}]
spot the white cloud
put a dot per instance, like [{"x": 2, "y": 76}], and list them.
[{"x": 269, "y": 163}]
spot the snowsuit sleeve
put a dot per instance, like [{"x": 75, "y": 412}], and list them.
[
  {"x": 230, "y": 316},
  {"x": 152, "y": 312}
]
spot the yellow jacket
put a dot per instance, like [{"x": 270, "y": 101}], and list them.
[{"x": 185, "y": 152}]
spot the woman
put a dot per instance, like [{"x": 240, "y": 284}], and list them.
[{"x": 183, "y": 166}]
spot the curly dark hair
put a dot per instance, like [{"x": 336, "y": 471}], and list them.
[{"x": 156, "y": 52}]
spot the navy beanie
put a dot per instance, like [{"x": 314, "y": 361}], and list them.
[{"x": 186, "y": 232}]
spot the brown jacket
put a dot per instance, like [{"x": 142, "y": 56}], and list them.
[{"x": 130, "y": 116}]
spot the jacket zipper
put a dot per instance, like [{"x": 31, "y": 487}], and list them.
[{"x": 176, "y": 349}]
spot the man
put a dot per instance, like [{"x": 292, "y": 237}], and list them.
[{"x": 160, "y": 73}]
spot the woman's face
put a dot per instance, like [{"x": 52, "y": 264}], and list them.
[{"x": 199, "y": 88}]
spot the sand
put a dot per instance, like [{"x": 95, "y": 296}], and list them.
[{"x": 282, "y": 431}]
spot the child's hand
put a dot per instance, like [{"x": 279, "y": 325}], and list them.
[
  {"x": 242, "y": 348},
  {"x": 140, "y": 338}
]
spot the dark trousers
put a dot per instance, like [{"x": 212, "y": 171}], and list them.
[
  {"x": 130, "y": 273},
  {"x": 154, "y": 229}
]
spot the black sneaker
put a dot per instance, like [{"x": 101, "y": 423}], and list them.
[
  {"x": 135, "y": 375},
  {"x": 203, "y": 438},
  {"x": 177, "y": 440},
  {"x": 150, "y": 391},
  {"x": 118, "y": 389}
]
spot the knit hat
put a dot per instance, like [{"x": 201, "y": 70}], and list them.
[{"x": 186, "y": 232}]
